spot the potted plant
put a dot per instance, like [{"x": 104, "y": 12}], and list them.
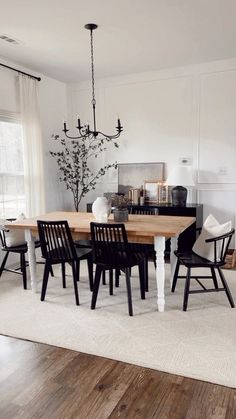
[
  {"x": 119, "y": 204},
  {"x": 74, "y": 162}
]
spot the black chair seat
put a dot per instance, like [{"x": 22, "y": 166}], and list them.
[
  {"x": 83, "y": 243},
  {"x": 20, "y": 248},
  {"x": 60, "y": 254},
  {"x": 192, "y": 260}
]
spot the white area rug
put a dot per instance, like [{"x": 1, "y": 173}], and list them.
[{"x": 200, "y": 343}]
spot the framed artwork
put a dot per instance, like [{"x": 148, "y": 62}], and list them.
[
  {"x": 133, "y": 175},
  {"x": 151, "y": 189}
]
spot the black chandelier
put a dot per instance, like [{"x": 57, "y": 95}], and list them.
[{"x": 84, "y": 130}]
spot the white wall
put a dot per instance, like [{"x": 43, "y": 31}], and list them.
[{"x": 169, "y": 114}]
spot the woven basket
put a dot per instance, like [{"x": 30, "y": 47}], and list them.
[{"x": 230, "y": 259}]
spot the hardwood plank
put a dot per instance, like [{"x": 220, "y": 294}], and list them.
[{"x": 49, "y": 382}]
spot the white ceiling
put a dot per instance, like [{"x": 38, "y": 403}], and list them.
[{"x": 133, "y": 35}]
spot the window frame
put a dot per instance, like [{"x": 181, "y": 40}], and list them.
[{"x": 13, "y": 118}]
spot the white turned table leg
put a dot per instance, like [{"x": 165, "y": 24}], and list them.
[
  {"x": 173, "y": 258},
  {"x": 32, "y": 259},
  {"x": 159, "y": 244}
]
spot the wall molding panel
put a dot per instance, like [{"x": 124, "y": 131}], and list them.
[{"x": 180, "y": 112}]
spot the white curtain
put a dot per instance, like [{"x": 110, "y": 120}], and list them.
[{"x": 32, "y": 145}]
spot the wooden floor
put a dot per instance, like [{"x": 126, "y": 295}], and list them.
[{"x": 41, "y": 381}]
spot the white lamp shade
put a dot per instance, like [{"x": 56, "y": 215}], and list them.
[{"x": 180, "y": 175}]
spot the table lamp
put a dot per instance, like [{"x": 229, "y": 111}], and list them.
[{"x": 180, "y": 175}]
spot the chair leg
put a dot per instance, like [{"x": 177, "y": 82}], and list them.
[
  {"x": 51, "y": 271},
  {"x": 23, "y": 270},
  {"x": 104, "y": 277},
  {"x": 96, "y": 287},
  {"x": 63, "y": 272},
  {"x": 90, "y": 271},
  {"x": 186, "y": 290},
  {"x": 146, "y": 274},
  {"x": 225, "y": 285},
  {"x": 111, "y": 281},
  {"x": 175, "y": 276},
  {"x": 3, "y": 263},
  {"x": 77, "y": 269},
  {"x": 155, "y": 260},
  {"x": 75, "y": 278},
  {"x": 117, "y": 278},
  {"x": 129, "y": 294},
  {"x": 45, "y": 280},
  {"x": 142, "y": 278},
  {"x": 214, "y": 278}
]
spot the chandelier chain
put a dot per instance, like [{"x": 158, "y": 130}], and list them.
[{"x": 92, "y": 68}]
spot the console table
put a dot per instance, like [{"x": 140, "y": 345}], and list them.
[{"x": 188, "y": 237}]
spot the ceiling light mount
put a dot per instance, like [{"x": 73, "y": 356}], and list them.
[
  {"x": 84, "y": 130},
  {"x": 91, "y": 26}
]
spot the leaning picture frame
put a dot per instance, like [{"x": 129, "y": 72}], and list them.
[
  {"x": 151, "y": 191},
  {"x": 133, "y": 175}
]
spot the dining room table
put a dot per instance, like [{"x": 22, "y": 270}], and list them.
[{"x": 140, "y": 229}]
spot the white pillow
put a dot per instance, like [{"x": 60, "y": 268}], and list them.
[
  {"x": 211, "y": 228},
  {"x": 14, "y": 237}
]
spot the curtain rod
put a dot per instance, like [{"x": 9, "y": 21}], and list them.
[{"x": 22, "y": 72}]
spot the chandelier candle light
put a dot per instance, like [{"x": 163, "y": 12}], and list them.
[{"x": 84, "y": 130}]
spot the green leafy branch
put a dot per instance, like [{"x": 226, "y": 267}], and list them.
[{"x": 74, "y": 160}]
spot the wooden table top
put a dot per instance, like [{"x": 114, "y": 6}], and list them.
[{"x": 137, "y": 225}]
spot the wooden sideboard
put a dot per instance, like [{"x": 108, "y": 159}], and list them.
[{"x": 188, "y": 237}]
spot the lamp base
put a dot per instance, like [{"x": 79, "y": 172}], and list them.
[{"x": 179, "y": 196}]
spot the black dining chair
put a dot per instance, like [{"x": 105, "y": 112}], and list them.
[
  {"x": 21, "y": 250},
  {"x": 112, "y": 251},
  {"x": 191, "y": 260},
  {"x": 58, "y": 248}
]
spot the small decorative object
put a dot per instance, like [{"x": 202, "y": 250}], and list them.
[
  {"x": 134, "y": 195},
  {"x": 230, "y": 260},
  {"x": 151, "y": 191},
  {"x": 101, "y": 209},
  {"x": 141, "y": 196},
  {"x": 120, "y": 202},
  {"x": 163, "y": 193},
  {"x": 180, "y": 175},
  {"x": 142, "y": 200}
]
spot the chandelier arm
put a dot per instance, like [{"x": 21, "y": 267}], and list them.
[
  {"x": 74, "y": 138},
  {"x": 109, "y": 137}
]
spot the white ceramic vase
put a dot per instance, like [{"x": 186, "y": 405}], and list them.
[{"x": 101, "y": 209}]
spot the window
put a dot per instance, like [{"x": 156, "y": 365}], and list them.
[{"x": 12, "y": 195}]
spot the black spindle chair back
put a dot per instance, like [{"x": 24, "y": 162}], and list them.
[
  {"x": 111, "y": 250},
  {"x": 56, "y": 241},
  {"x": 110, "y": 245}
]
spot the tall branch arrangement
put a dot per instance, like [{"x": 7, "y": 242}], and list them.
[{"x": 74, "y": 162}]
